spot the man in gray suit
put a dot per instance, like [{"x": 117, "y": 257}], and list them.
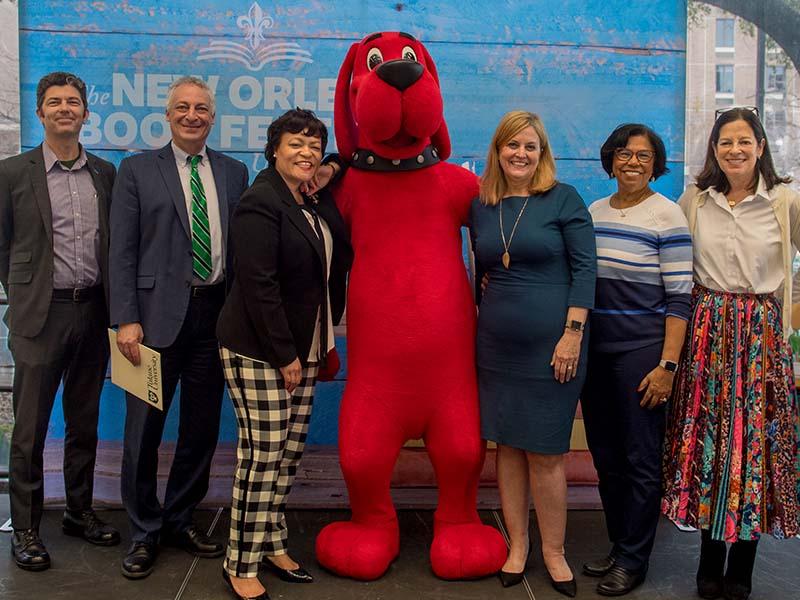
[
  {"x": 169, "y": 257},
  {"x": 54, "y": 203}
]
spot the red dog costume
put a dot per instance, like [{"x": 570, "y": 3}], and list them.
[{"x": 410, "y": 315}]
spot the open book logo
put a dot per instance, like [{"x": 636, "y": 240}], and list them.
[{"x": 255, "y": 53}]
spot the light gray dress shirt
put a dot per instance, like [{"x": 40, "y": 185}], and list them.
[{"x": 76, "y": 222}]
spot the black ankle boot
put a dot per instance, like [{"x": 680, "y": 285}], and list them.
[
  {"x": 711, "y": 567},
  {"x": 739, "y": 576}
]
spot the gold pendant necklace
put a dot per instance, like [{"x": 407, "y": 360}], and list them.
[{"x": 506, "y": 258}]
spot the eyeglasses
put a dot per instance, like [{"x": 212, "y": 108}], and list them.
[
  {"x": 643, "y": 156},
  {"x": 721, "y": 111}
]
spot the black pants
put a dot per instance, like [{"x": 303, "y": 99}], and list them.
[
  {"x": 626, "y": 442},
  {"x": 194, "y": 359},
  {"x": 73, "y": 346}
]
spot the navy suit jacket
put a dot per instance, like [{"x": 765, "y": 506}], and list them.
[{"x": 151, "y": 248}]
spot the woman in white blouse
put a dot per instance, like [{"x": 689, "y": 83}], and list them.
[{"x": 732, "y": 461}]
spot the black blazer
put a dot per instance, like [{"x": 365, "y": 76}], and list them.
[
  {"x": 278, "y": 277},
  {"x": 26, "y": 236}
]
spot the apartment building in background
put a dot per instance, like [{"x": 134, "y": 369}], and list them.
[{"x": 721, "y": 66}]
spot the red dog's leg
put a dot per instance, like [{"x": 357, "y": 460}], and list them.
[
  {"x": 369, "y": 443},
  {"x": 463, "y": 548}
]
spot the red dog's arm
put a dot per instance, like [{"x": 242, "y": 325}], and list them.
[
  {"x": 341, "y": 194},
  {"x": 464, "y": 187}
]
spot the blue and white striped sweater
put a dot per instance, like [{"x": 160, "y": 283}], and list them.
[{"x": 644, "y": 272}]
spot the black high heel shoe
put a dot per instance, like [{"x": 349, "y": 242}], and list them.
[
  {"x": 227, "y": 578},
  {"x": 567, "y": 588},
  {"x": 298, "y": 575},
  {"x": 509, "y": 579}
]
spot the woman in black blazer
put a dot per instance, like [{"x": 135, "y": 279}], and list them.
[{"x": 291, "y": 256}]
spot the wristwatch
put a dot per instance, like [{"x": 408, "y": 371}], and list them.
[
  {"x": 668, "y": 365},
  {"x": 575, "y": 325}
]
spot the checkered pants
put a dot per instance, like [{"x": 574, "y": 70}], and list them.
[{"x": 272, "y": 432}]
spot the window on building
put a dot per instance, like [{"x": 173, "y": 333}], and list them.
[
  {"x": 724, "y": 34},
  {"x": 776, "y": 78},
  {"x": 724, "y": 79},
  {"x": 776, "y": 120}
]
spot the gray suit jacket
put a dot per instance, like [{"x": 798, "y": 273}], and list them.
[
  {"x": 151, "y": 249},
  {"x": 26, "y": 236}
]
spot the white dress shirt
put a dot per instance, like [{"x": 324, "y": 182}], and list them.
[
  {"x": 738, "y": 249},
  {"x": 212, "y": 204},
  {"x": 313, "y": 353}
]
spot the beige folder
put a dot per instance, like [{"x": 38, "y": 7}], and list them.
[{"x": 143, "y": 381}]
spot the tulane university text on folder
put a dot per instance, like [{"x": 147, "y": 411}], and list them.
[{"x": 143, "y": 381}]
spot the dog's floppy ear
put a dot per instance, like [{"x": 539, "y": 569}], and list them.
[
  {"x": 343, "y": 121},
  {"x": 441, "y": 138}
]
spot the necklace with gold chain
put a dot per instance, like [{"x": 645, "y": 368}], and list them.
[
  {"x": 506, "y": 258},
  {"x": 645, "y": 193}
]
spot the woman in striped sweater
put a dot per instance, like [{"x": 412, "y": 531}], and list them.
[{"x": 642, "y": 303}]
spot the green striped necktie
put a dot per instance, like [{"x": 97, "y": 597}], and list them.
[{"x": 201, "y": 232}]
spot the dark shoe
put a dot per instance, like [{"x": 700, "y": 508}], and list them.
[
  {"x": 194, "y": 542},
  {"x": 619, "y": 581},
  {"x": 509, "y": 579},
  {"x": 85, "y": 524},
  {"x": 567, "y": 588},
  {"x": 599, "y": 567},
  {"x": 738, "y": 580},
  {"x": 139, "y": 561},
  {"x": 28, "y": 550},
  {"x": 711, "y": 566},
  {"x": 709, "y": 588},
  {"x": 227, "y": 578},
  {"x": 298, "y": 575},
  {"x": 735, "y": 591}
]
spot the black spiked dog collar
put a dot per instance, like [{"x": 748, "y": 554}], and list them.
[{"x": 369, "y": 161}]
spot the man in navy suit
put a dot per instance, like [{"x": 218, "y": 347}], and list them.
[{"x": 169, "y": 257}]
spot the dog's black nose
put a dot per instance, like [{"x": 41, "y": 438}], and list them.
[{"x": 400, "y": 73}]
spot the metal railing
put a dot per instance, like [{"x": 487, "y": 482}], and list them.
[{"x": 6, "y": 374}]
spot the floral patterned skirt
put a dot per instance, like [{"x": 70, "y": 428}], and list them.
[{"x": 732, "y": 457}]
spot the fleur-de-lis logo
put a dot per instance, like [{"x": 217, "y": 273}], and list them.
[
  {"x": 254, "y": 51},
  {"x": 254, "y": 24}
]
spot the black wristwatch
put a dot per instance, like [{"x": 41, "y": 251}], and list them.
[
  {"x": 668, "y": 365},
  {"x": 575, "y": 325}
]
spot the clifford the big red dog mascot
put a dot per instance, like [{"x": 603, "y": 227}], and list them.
[{"x": 410, "y": 315}]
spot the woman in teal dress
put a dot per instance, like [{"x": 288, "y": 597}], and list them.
[{"x": 533, "y": 236}]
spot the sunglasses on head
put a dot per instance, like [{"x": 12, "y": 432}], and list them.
[{"x": 721, "y": 111}]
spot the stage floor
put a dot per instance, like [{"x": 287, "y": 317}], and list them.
[{"x": 85, "y": 572}]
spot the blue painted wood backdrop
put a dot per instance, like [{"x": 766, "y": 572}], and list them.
[{"x": 584, "y": 65}]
